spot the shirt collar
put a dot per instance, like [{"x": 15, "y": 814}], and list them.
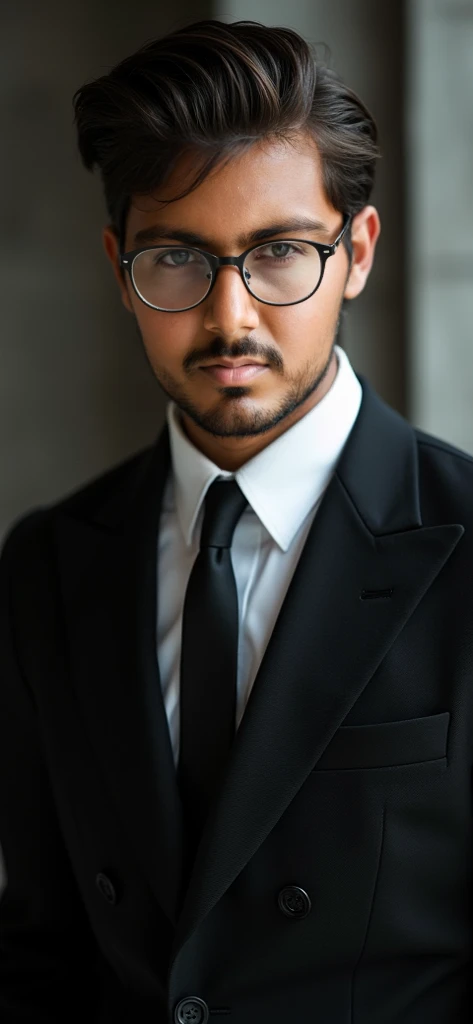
[{"x": 284, "y": 481}]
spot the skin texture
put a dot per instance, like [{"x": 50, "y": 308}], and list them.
[{"x": 265, "y": 185}]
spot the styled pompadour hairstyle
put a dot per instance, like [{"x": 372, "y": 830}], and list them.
[{"x": 216, "y": 89}]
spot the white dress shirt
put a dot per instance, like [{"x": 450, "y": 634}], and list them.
[{"x": 284, "y": 485}]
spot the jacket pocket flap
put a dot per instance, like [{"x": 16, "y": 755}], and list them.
[{"x": 387, "y": 744}]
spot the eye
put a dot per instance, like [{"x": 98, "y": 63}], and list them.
[
  {"x": 178, "y": 258},
  {"x": 277, "y": 246},
  {"x": 277, "y": 251}
]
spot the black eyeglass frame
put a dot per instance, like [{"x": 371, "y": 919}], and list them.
[{"x": 127, "y": 259}]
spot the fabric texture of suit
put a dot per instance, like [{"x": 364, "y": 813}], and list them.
[{"x": 333, "y": 881}]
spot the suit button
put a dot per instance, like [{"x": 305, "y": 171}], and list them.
[
  {"x": 294, "y": 902},
  {"x": 105, "y": 886},
  {"x": 191, "y": 1011}
]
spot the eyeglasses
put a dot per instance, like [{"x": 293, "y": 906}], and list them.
[{"x": 174, "y": 278}]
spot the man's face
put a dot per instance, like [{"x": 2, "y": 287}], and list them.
[{"x": 270, "y": 184}]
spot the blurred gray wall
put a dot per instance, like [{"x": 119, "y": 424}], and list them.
[{"x": 440, "y": 217}]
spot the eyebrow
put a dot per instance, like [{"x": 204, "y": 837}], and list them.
[{"x": 156, "y": 232}]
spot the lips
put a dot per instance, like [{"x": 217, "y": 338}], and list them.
[{"x": 234, "y": 374}]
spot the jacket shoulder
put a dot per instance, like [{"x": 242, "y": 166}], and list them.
[
  {"x": 436, "y": 447},
  {"x": 82, "y": 500},
  {"x": 116, "y": 480},
  {"x": 445, "y": 481}
]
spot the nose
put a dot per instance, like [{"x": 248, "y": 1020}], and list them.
[{"x": 230, "y": 310}]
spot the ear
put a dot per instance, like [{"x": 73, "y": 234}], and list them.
[
  {"x": 111, "y": 246},
  {"x": 365, "y": 230}
]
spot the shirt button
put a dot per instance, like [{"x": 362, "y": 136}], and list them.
[{"x": 191, "y": 1011}]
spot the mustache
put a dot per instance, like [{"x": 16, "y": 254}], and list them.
[{"x": 244, "y": 347}]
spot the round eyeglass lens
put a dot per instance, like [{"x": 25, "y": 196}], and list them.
[
  {"x": 283, "y": 272},
  {"x": 171, "y": 278},
  {"x": 277, "y": 272}
]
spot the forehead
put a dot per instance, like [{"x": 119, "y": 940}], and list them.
[{"x": 269, "y": 182}]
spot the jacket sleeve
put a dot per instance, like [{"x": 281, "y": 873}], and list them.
[{"x": 48, "y": 954}]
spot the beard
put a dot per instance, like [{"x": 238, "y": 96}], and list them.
[{"x": 232, "y": 416}]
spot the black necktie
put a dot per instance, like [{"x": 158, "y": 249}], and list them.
[{"x": 208, "y": 674}]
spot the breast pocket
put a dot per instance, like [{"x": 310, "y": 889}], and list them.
[{"x": 387, "y": 744}]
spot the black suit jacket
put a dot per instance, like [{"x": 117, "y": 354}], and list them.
[{"x": 333, "y": 882}]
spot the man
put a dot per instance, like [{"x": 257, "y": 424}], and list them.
[{"x": 236, "y": 670}]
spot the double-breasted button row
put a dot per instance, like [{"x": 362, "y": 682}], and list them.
[{"x": 293, "y": 901}]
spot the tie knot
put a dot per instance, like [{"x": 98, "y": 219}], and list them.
[{"x": 224, "y": 504}]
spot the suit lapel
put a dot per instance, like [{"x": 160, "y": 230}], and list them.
[{"x": 367, "y": 536}]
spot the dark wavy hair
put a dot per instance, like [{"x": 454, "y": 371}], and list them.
[{"x": 216, "y": 89}]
